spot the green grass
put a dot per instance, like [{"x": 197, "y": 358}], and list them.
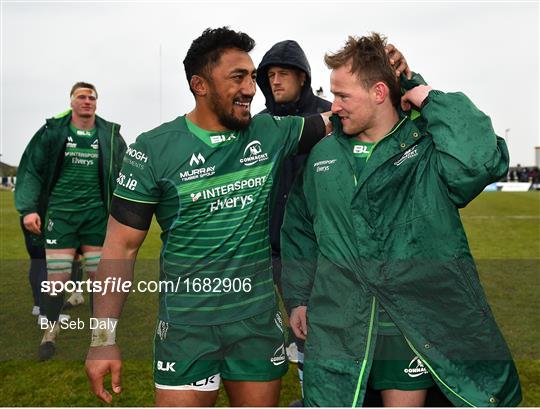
[{"x": 503, "y": 231}]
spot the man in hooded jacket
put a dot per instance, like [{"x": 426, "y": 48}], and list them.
[{"x": 284, "y": 77}]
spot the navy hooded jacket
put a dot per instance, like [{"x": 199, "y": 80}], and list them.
[{"x": 287, "y": 54}]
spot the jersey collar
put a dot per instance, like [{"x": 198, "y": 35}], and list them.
[{"x": 212, "y": 139}]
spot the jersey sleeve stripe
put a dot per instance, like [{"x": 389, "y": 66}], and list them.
[{"x": 133, "y": 200}]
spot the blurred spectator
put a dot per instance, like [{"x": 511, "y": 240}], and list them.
[
  {"x": 534, "y": 175},
  {"x": 523, "y": 175}
]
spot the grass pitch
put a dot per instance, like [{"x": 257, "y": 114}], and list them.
[{"x": 504, "y": 235}]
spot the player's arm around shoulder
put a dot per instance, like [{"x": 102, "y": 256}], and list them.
[
  {"x": 315, "y": 128},
  {"x": 469, "y": 153},
  {"x": 300, "y": 134}
]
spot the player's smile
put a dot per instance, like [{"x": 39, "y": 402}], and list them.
[{"x": 242, "y": 104}]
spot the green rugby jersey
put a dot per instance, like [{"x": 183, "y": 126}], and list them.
[
  {"x": 77, "y": 187},
  {"x": 361, "y": 152},
  {"x": 211, "y": 191}
]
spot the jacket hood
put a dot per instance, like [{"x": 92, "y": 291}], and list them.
[
  {"x": 289, "y": 54},
  {"x": 59, "y": 120}
]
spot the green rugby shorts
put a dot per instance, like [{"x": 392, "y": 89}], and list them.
[
  {"x": 72, "y": 229},
  {"x": 252, "y": 349},
  {"x": 396, "y": 366}
]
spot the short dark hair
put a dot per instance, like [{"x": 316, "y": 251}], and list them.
[
  {"x": 286, "y": 66},
  {"x": 369, "y": 63},
  {"x": 82, "y": 84},
  {"x": 206, "y": 50}
]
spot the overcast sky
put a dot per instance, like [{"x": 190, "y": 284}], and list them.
[{"x": 133, "y": 52}]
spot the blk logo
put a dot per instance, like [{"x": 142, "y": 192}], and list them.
[{"x": 165, "y": 366}]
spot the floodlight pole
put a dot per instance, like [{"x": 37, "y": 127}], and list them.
[{"x": 507, "y": 138}]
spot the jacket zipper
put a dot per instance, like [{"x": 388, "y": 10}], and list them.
[
  {"x": 366, "y": 355},
  {"x": 437, "y": 376}
]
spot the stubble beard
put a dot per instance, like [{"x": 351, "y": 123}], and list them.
[{"x": 227, "y": 119}]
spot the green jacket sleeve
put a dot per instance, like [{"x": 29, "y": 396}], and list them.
[
  {"x": 408, "y": 84},
  {"x": 30, "y": 174},
  {"x": 469, "y": 154},
  {"x": 118, "y": 150},
  {"x": 119, "y": 153},
  {"x": 298, "y": 248}
]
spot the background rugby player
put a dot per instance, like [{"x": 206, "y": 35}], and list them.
[{"x": 65, "y": 183}]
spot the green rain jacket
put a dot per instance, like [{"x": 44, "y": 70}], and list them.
[
  {"x": 394, "y": 237},
  {"x": 42, "y": 161}
]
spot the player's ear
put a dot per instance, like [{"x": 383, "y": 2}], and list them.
[
  {"x": 302, "y": 76},
  {"x": 199, "y": 85},
  {"x": 380, "y": 91}
]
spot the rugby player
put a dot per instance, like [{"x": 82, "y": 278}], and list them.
[
  {"x": 284, "y": 77},
  {"x": 64, "y": 186},
  {"x": 377, "y": 269},
  {"x": 207, "y": 176}
]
